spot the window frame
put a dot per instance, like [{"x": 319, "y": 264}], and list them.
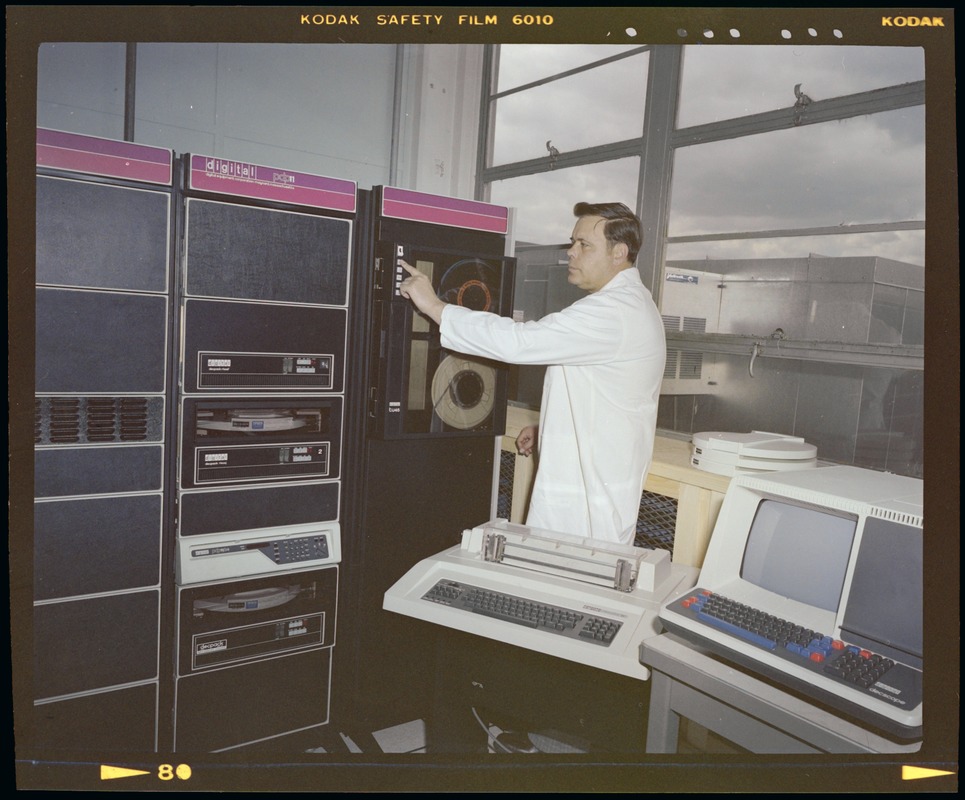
[{"x": 656, "y": 148}]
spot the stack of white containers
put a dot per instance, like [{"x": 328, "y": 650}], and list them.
[{"x": 758, "y": 451}]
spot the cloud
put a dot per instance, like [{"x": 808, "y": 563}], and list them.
[{"x": 867, "y": 169}]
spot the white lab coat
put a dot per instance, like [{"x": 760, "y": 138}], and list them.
[{"x": 605, "y": 355}]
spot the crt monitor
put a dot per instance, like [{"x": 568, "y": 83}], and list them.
[{"x": 836, "y": 550}]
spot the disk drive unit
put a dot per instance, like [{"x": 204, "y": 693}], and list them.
[
  {"x": 243, "y": 347},
  {"x": 245, "y": 440},
  {"x": 254, "y": 658},
  {"x": 418, "y": 388},
  {"x": 267, "y": 256}
]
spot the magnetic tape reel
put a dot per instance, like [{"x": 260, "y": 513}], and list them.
[
  {"x": 426, "y": 389},
  {"x": 463, "y": 389},
  {"x": 471, "y": 283},
  {"x": 463, "y": 392}
]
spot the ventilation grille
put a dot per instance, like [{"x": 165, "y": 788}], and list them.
[
  {"x": 685, "y": 324},
  {"x": 684, "y": 364},
  {"x": 98, "y": 420},
  {"x": 902, "y": 518},
  {"x": 687, "y": 365},
  {"x": 656, "y": 521},
  {"x": 507, "y": 474}
]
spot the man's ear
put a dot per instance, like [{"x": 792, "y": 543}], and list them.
[{"x": 620, "y": 252}]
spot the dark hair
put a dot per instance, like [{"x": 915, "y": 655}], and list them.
[{"x": 621, "y": 227}]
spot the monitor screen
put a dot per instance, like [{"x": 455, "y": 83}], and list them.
[
  {"x": 885, "y": 602},
  {"x": 799, "y": 552}
]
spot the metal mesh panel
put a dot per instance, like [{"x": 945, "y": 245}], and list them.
[
  {"x": 97, "y": 420},
  {"x": 656, "y": 521},
  {"x": 504, "y": 495}
]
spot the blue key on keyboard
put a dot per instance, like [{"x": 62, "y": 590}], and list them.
[{"x": 750, "y": 636}]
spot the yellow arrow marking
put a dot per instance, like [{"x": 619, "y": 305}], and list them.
[
  {"x": 914, "y": 773},
  {"x": 109, "y": 773}
]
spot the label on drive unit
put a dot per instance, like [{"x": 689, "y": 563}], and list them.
[
  {"x": 261, "y": 462},
  {"x": 219, "y": 370},
  {"x": 259, "y": 640}
]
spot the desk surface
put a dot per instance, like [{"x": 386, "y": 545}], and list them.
[
  {"x": 689, "y": 681},
  {"x": 671, "y": 454}
]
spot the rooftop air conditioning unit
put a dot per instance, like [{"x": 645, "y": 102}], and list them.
[{"x": 690, "y": 302}]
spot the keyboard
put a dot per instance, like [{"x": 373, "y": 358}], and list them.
[
  {"x": 881, "y": 682},
  {"x": 528, "y": 613}
]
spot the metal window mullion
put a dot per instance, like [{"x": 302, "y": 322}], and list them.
[
  {"x": 837, "y": 108},
  {"x": 487, "y": 125},
  {"x": 656, "y": 167},
  {"x": 130, "y": 90},
  {"x": 568, "y": 73},
  {"x": 397, "y": 114},
  {"x": 826, "y": 230},
  {"x": 575, "y": 158}
]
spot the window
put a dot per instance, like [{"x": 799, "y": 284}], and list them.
[
  {"x": 545, "y": 200},
  {"x": 556, "y": 115},
  {"x": 583, "y": 108},
  {"x": 782, "y": 188},
  {"x": 720, "y": 83}
]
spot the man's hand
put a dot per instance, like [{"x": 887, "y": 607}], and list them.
[
  {"x": 418, "y": 289},
  {"x": 526, "y": 440}
]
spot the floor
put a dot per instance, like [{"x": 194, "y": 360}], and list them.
[{"x": 409, "y": 737}]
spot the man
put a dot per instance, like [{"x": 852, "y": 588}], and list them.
[{"x": 605, "y": 357}]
